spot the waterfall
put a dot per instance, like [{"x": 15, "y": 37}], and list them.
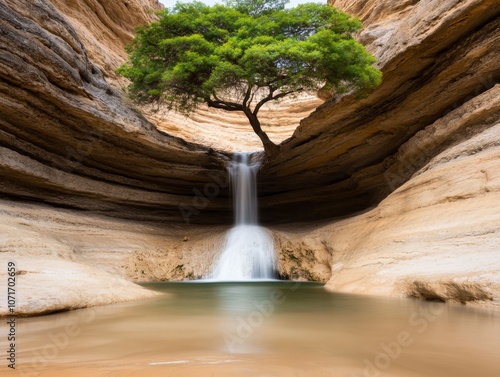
[{"x": 249, "y": 250}]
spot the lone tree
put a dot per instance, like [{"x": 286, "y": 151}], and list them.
[{"x": 241, "y": 55}]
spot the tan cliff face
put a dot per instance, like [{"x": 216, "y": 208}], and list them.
[
  {"x": 230, "y": 131},
  {"x": 409, "y": 173},
  {"x": 106, "y": 27},
  {"x": 436, "y": 57},
  {"x": 87, "y": 149},
  {"x": 69, "y": 140},
  {"x": 435, "y": 236}
]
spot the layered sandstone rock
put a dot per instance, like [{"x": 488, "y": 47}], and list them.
[
  {"x": 67, "y": 259},
  {"x": 434, "y": 58},
  {"x": 230, "y": 131},
  {"x": 68, "y": 139},
  {"x": 106, "y": 27},
  {"x": 430, "y": 140},
  {"x": 72, "y": 141},
  {"x": 436, "y": 236}
]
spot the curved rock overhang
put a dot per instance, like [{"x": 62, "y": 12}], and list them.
[
  {"x": 68, "y": 139},
  {"x": 341, "y": 159}
]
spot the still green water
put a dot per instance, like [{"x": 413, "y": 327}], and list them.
[{"x": 264, "y": 329}]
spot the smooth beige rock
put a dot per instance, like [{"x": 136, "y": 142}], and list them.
[
  {"x": 106, "y": 27},
  {"x": 230, "y": 131},
  {"x": 373, "y": 11},
  {"x": 68, "y": 260},
  {"x": 46, "y": 285},
  {"x": 437, "y": 235}
]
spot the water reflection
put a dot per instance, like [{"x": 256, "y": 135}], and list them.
[
  {"x": 273, "y": 329},
  {"x": 246, "y": 313}
]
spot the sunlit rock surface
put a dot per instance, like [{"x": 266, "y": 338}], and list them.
[
  {"x": 68, "y": 139},
  {"x": 230, "y": 131},
  {"x": 435, "y": 58},
  {"x": 431, "y": 141},
  {"x": 105, "y": 27},
  {"x": 436, "y": 236},
  {"x": 67, "y": 259}
]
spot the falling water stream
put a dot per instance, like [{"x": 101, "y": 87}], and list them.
[{"x": 249, "y": 249}]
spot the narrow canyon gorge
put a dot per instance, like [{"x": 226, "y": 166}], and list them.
[{"x": 395, "y": 194}]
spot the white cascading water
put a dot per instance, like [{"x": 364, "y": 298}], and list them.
[{"x": 249, "y": 249}]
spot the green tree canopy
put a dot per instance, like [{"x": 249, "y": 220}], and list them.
[{"x": 244, "y": 54}]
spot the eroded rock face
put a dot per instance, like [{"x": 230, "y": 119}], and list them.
[
  {"x": 436, "y": 236},
  {"x": 52, "y": 285},
  {"x": 68, "y": 259},
  {"x": 230, "y": 131},
  {"x": 430, "y": 141},
  {"x": 71, "y": 141},
  {"x": 68, "y": 139},
  {"x": 106, "y": 27},
  {"x": 436, "y": 57}
]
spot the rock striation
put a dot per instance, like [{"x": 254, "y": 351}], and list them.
[
  {"x": 230, "y": 131},
  {"x": 68, "y": 139},
  {"x": 72, "y": 141},
  {"x": 66, "y": 259},
  {"x": 435, "y": 56},
  {"x": 435, "y": 236},
  {"x": 432, "y": 228},
  {"x": 106, "y": 27}
]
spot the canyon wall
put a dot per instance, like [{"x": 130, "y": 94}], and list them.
[
  {"x": 67, "y": 259},
  {"x": 436, "y": 234},
  {"x": 67, "y": 140},
  {"x": 435, "y": 56},
  {"x": 106, "y": 27}
]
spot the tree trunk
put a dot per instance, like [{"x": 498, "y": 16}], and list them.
[{"x": 270, "y": 148}]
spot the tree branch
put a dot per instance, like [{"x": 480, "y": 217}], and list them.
[
  {"x": 277, "y": 79},
  {"x": 251, "y": 99},
  {"x": 225, "y": 105},
  {"x": 247, "y": 96},
  {"x": 281, "y": 95},
  {"x": 270, "y": 97},
  {"x": 267, "y": 98}
]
